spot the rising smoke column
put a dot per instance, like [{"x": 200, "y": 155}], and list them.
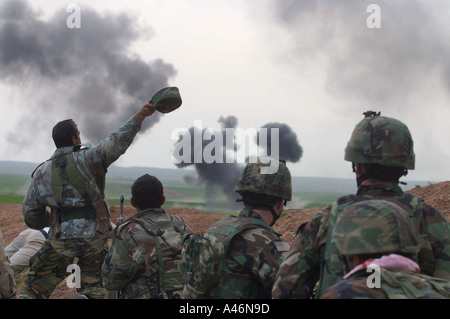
[
  {"x": 87, "y": 74},
  {"x": 289, "y": 148},
  {"x": 224, "y": 176},
  {"x": 215, "y": 176}
]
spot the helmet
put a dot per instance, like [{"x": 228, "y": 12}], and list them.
[
  {"x": 374, "y": 226},
  {"x": 167, "y": 99},
  {"x": 278, "y": 184},
  {"x": 381, "y": 140}
]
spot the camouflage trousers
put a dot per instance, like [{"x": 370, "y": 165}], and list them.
[{"x": 50, "y": 266}]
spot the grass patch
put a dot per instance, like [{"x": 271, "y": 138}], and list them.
[
  {"x": 11, "y": 198},
  {"x": 178, "y": 194}
]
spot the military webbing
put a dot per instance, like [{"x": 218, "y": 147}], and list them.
[
  {"x": 155, "y": 229},
  {"x": 234, "y": 227},
  {"x": 328, "y": 274},
  {"x": 65, "y": 172}
]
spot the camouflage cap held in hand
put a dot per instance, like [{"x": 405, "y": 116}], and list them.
[
  {"x": 278, "y": 184},
  {"x": 167, "y": 99},
  {"x": 374, "y": 226},
  {"x": 381, "y": 140}
]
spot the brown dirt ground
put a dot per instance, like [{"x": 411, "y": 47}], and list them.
[{"x": 11, "y": 221}]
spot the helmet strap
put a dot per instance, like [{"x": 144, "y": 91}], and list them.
[
  {"x": 360, "y": 176},
  {"x": 274, "y": 215}
]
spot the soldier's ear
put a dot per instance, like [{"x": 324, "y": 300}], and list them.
[
  {"x": 163, "y": 200},
  {"x": 133, "y": 203}
]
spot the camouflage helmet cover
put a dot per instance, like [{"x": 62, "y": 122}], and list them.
[
  {"x": 381, "y": 140},
  {"x": 167, "y": 100},
  {"x": 374, "y": 226},
  {"x": 278, "y": 184}
]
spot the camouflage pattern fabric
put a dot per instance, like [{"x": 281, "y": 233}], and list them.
[
  {"x": 203, "y": 257},
  {"x": 278, "y": 184},
  {"x": 78, "y": 235},
  {"x": 392, "y": 286},
  {"x": 92, "y": 162},
  {"x": 49, "y": 267},
  {"x": 252, "y": 262},
  {"x": 313, "y": 258},
  {"x": 167, "y": 99},
  {"x": 7, "y": 283},
  {"x": 381, "y": 140},
  {"x": 374, "y": 226},
  {"x": 133, "y": 263}
]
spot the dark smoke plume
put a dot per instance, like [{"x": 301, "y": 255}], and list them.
[
  {"x": 215, "y": 176},
  {"x": 87, "y": 74},
  {"x": 224, "y": 176},
  {"x": 289, "y": 148},
  {"x": 390, "y": 66}
]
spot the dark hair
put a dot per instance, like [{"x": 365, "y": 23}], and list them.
[
  {"x": 147, "y": 192},
  {"x": 384, "y": 173},
  {"x": 63, "y": 132},
  {"x": 258, "y": 201}
]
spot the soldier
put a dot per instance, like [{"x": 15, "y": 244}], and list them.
[
  {"x": 142, "y": 262},
  {"x": 256, "y": 251},
  {"x": 381, "y": 151},
  {"x": 7, "y": 283},
  {"x": 72, "y": 184},
  {"x": 25, "y": 246},
  {"x": 377, "y": 242}
]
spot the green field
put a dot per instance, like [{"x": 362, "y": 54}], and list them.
[{"x": 178, "y": 194}]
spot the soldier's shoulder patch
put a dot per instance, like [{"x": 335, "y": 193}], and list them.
[{"x": 281, "y": 245}]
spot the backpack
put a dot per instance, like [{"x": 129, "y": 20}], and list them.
[
  {"x": 166, "y": 282},
  {"x": 398, "y": 285},
  {"x": 203, "y": 257}
]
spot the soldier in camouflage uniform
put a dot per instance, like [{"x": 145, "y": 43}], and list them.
[
  {"x": 72, "y": 184},
  {"x": 142, "y": 262},
  {"x": 255, "y": 253},
  {"x": 377, "y": 243},
  {"x": 381, "y": 151}
]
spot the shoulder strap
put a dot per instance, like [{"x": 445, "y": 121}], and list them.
[
  {"x": 32, "y": 174},
  {"x": 64, "y": 172},
  {"x": 154, "y": 229},
  {"x": 416, "y": 203},
  {"x": 230, "y": 226}
]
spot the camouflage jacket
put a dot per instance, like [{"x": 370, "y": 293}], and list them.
[
  {"x": 394, "y": 284},
  {"x": 142, "y": 261},
  {"x": 253, "y": 259},
  {"x": 313, "y": 258},
  {"x": 92, "y": 162}
]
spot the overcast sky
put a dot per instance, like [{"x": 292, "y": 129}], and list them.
[{"x": 313, "y": 66}]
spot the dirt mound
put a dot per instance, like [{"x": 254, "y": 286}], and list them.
[
  {"x": 11, "y": 220},
  {"x": 436, "y": 195}
]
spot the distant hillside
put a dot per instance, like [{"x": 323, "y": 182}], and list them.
[{"x": 299, "y": 184}]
